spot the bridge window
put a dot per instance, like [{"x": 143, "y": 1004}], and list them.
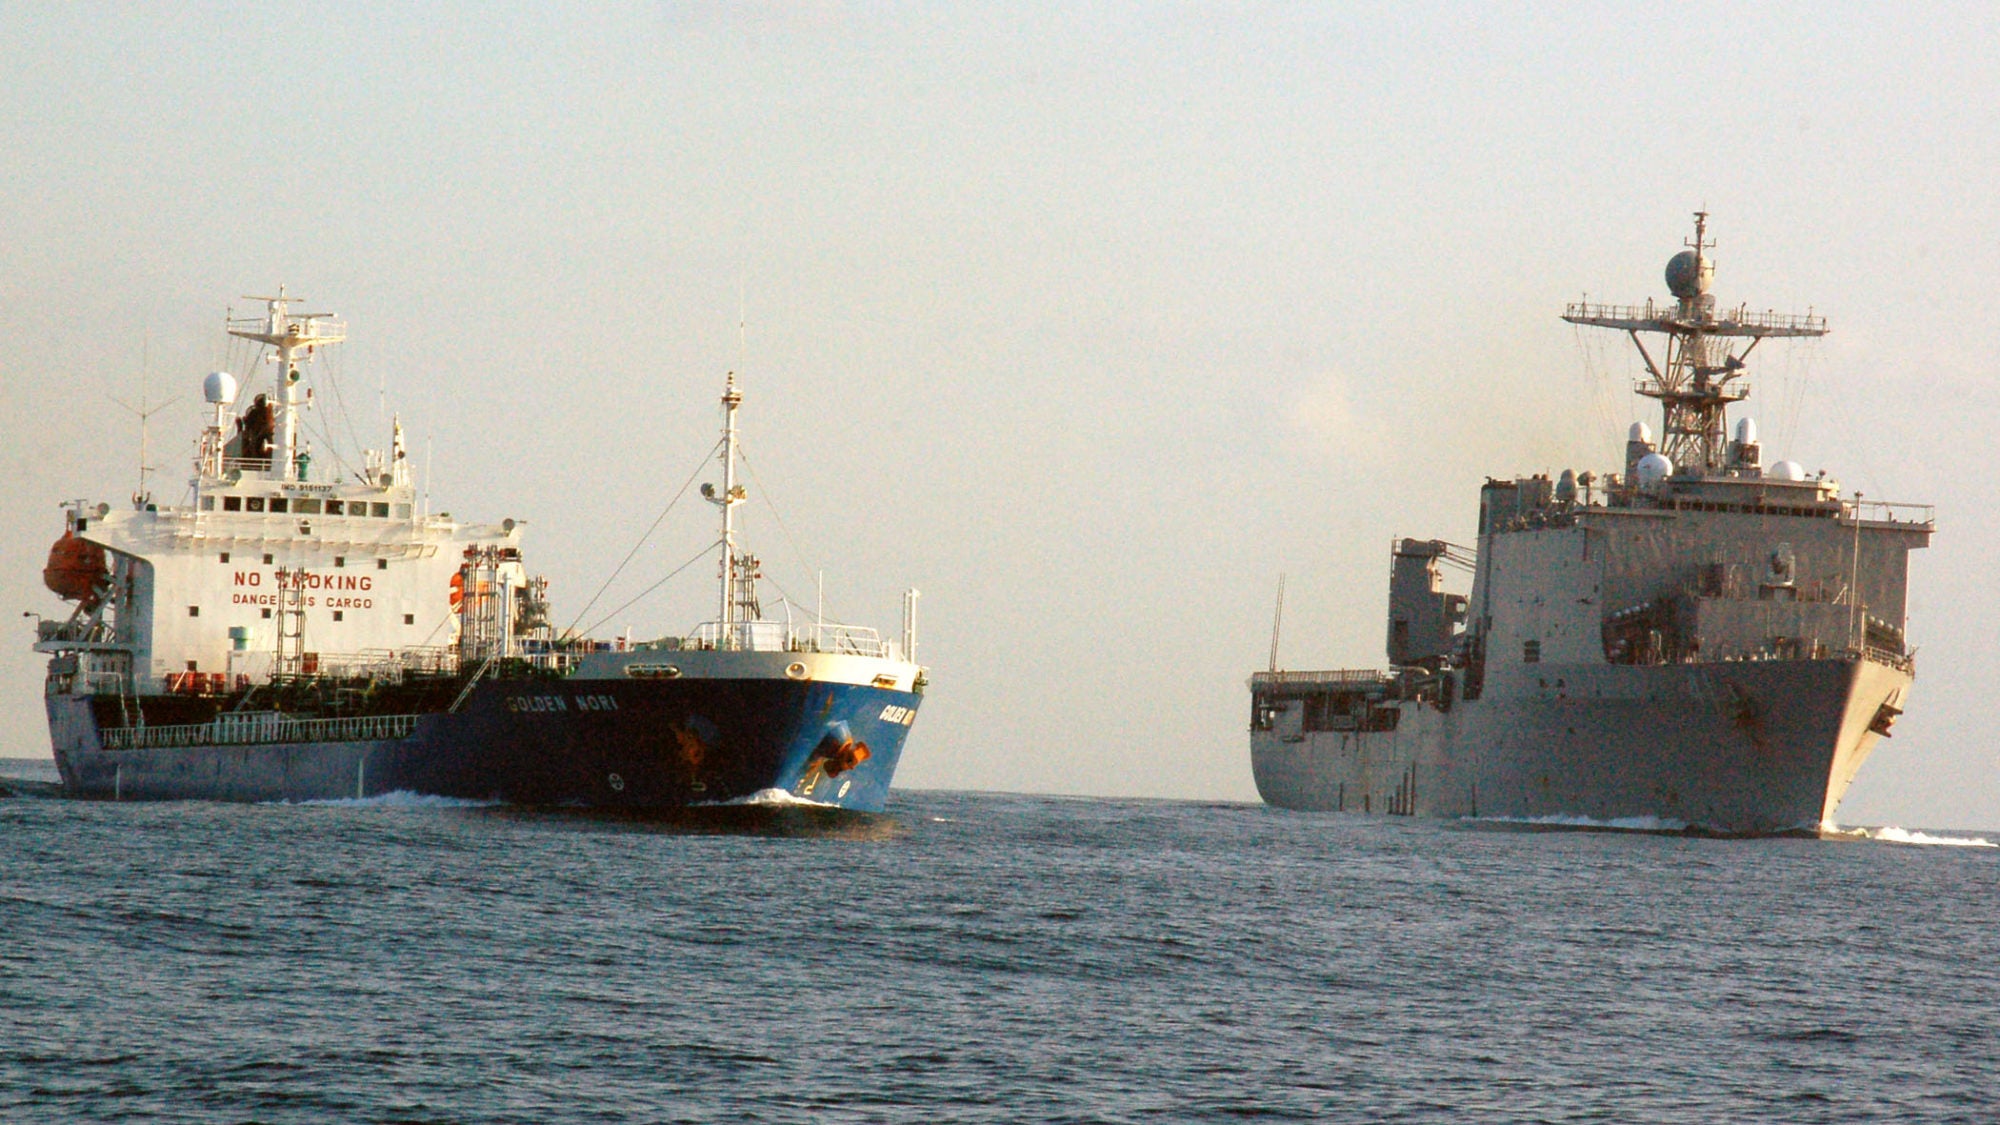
[
  {"x": 232, "y": 503},
  {"x": 277, "y": 503},
  {"x": 333, "y": 507},
  {"x": 1531, "y": 652},
  {"x": 379, "y": 511},
  {"x": 194, "y": 611},
  {"x": 253, "y": 503}
]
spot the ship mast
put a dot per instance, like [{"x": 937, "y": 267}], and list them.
[
  {"x": 1702, "y": 370},
  {"x": 296, "y": 337},
  {"x": 739, "y": 571}
]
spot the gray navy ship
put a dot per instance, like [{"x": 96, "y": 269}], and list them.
[{"x": 1700, "y": 642}]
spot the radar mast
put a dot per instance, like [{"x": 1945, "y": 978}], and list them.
[
  {"x": 1701, "y": 371},
  {"x": 296, "y": 336}
]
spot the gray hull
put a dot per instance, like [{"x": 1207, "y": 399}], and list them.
[{"x": 1752, "y": 747}]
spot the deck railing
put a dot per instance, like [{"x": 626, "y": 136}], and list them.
[
  {"x": 237, "y": 728},
  {"x": 1332, "y": 676}
]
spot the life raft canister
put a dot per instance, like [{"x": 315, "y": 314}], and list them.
[{"x": 76, "y": 570}]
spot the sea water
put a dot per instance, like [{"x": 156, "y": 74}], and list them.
[{"x": 978, "y": 957}]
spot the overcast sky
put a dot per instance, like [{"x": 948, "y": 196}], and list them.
[{"x": 1088, "y": 320}]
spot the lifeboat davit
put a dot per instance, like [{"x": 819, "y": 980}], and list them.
[{"x": 76, "y": 570}]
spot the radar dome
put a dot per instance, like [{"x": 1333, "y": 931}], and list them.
[
  {"x": 1640, "y": 432},
  {"x": 1786, "y": 470},
  {"x": 1689, "y": 275},
  {"x": 219, "y": 388},
  {"x": 1653, "y": 470}
]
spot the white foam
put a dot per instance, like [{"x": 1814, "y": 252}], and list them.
[
  {"x": 772, "y": 798},
  {"x": 399, "y": 799},
  {"x": 1895, "y": 835},
  {"x": 1621, "y": 824}
]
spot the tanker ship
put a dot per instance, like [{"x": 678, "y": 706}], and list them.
[
  {"x": 1700, "y": 642},
  {"x": 289, "y": 633}
]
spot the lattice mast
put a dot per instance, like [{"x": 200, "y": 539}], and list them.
[{"x": 1701, "y": 369}]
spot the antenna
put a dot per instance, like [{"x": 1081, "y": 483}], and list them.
[
  {"x": 145, "y": 413},
  {"x": 1277, "y": 620},
  {"x": 742, "y": 321}
]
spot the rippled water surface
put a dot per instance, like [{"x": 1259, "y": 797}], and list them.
[{"x": 974, "y": 957}]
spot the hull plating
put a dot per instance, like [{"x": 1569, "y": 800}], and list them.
[
  {"x": 600, "y": 743},
  {"x": 1739, "y": 748}
]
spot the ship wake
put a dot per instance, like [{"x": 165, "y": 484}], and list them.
[
  {"x": 398, "y": 799},
  {"x": 1893, "y": 835}
]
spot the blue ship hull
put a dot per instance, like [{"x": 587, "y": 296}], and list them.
[{"x": 599, "y": 743}]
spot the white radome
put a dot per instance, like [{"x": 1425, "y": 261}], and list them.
[
  {"x": 1786, "y": 470},
  {"x": 1653, "y": 469},
  {"x": 219, "y": 389}
]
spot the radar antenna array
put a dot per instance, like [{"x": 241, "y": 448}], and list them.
[{"x": 1701, "y": 369}]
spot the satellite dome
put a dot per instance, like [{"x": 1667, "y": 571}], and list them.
[
  {"x": 1746, "y": 431},
  {"x": 219, "y": 388},
  {"x": 1640, "y": 432},
  {"x": 1689, "y": 275},
  {"x": 1653, "y": 470},
  {"x": 1786, "y": 470}
]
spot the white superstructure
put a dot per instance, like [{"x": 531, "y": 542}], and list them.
[{"x": 268, "y": 568}]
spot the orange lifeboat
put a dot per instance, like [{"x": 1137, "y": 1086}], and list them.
[{"x": 76, "y": 570}]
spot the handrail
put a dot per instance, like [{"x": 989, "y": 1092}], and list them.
[
  {"x": 1330, "y": 676},
  {"x": 265, "y": 727}
]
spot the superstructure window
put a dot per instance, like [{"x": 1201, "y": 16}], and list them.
[
  {"x": 267, "y": 560},
  {"x": 194, "y": 611},
  {"x": 336, "y": 615},
  {"x": 379, "y": 511},
  {"x": 409, "y": 619},
  {"x": 208, "y": 503},
  {"x": 224, "y": 557},
  {"x": 1531, "y": 652},
  {"x": 232, "y": 503},
  {"x": 381, "y": 564},
  {"x": 402, "y": 511},
  {"x": 340, "y": 560},
  {"x": 277, "y": 503},
  {"x": 333, "y": 507},
  {"x": 305, "y": 507},
  {"x": 266, "y": 612},
  {"x": 253, "y": 503}
]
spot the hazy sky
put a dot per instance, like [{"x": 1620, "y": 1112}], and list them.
[{"x": 1087, "y": 320}]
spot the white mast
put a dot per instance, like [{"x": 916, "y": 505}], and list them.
[
  {"x": 732, "y": 494},
  {"x": 296, "y": 338}
]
